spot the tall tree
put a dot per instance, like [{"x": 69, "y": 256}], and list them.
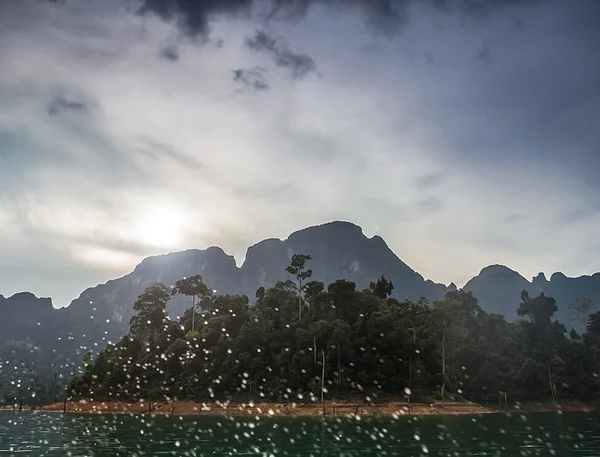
[
  {"x": 151, "y": 308},
  {"x": 192, "y": 287},
  {"x": 382, "y": 288},
  {"x": 298, "y": 269},
  {"x": 539, "y": 310},
  {"x": 582, "y": 308}
]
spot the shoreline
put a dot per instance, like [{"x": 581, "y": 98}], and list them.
[{"x": 271, "y": 409}]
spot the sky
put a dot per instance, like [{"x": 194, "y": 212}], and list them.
[{"x": 464, "y": 132}]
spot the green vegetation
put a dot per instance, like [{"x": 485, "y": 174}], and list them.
[{"x": 359, "y": 344}]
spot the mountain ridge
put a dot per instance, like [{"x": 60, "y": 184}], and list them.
[
  {"x": 347, "y": 226},
  {"x": 339, "y": 250}
]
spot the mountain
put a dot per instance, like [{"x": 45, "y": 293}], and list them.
[
  {"x": 30, "y": 328},
  {"x": 339, "y": 250},
  {"x": 498, "y": 289}
]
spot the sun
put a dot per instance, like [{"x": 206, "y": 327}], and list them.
[{"x": 160, "y": 227}]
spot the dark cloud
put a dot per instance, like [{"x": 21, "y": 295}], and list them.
[
  {"x": 430, "y": 180},
  {"x": 170, "y": 53},
  {"x": 484, "y": 54},
  {"x": 61, "y": 104},
  {"x": 518, "y": 22},
  {"x": 193, "y": 16},
  {"x": 252, "y": 78},
  {"x": 299, "y": 64},
  {"x": 540, "y": 105},
  {"x": 386, "y": 16},
  {"x": 155, "y": 150}
]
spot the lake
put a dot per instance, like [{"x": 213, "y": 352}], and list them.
[{"x": 536, "y": 434}]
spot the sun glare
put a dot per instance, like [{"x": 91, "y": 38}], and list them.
[{"x": 160, "y": 227}]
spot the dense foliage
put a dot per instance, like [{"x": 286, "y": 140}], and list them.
[{"x": 372, "y": 346}]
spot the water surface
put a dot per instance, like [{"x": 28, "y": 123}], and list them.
[{"x": 539, "y": 434}]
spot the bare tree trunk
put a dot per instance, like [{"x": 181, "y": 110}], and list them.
[
  {"x": 551, "y": 386},
  {"x": 299, "y": 299},
  {"x": 414, "y": 332},
  {"x": 32, "y": 375},
  {"x": 193, "y": 313},
  {"x": 443, "y": 362},
  {"x": 315, "y": 349},
  {"x": 323, "y": 382},
  {"x": 339, "y": 368}
]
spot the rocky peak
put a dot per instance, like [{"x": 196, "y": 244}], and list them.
[
  {"x": 540, "y": 278},
  {"x": 558, "y": 276},
  {"x": 499, "y": 270},
  {"x": 498, "y": 289},
  {"x": 27, "y": 299},
  {"x": 25, "y": 305}
]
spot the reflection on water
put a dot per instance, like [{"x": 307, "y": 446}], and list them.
[{"x": 541, "y": 434}]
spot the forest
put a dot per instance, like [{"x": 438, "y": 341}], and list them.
[{"x": 303, "y": 341}]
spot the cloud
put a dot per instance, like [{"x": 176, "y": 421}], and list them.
[
  {"x": 429, "y": 205},
  {"x": 252, "y": 78},
  {"x": 484, "y": 54},
  {"x": 434, "y": 158},
  {"x": 61, "y": 105},
  {"x": 430, "y": 180},
  {"x": 157, "y": 151},
  {"x": 170, "y": 53},
  {"x": 381, "y": 16},
  {"x": 298, "y": 64},
  {"x": 193, "y": 17}
]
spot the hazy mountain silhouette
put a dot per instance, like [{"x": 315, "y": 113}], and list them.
[{"x": 31, "y": 328}]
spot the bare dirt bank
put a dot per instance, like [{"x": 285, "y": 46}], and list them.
[
  {"x": 266, "y": 409},
  {"x": 300, "y": 409}
]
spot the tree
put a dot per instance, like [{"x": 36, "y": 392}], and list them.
[
  {"x": 340, "y": 336},
  {"x": 593, "y": 324},
  {"x": 151, "y": 315},
  {"x": 538, "y": 310},
  {"x": 192, "y": 287},
  {"x": 260, "y": 294},
  {"x": 582, "y": 308},
  {"x": 382, "y": 288},
  {"x": 358, "y": 342},
  {"x": 298, "y": 269}
]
